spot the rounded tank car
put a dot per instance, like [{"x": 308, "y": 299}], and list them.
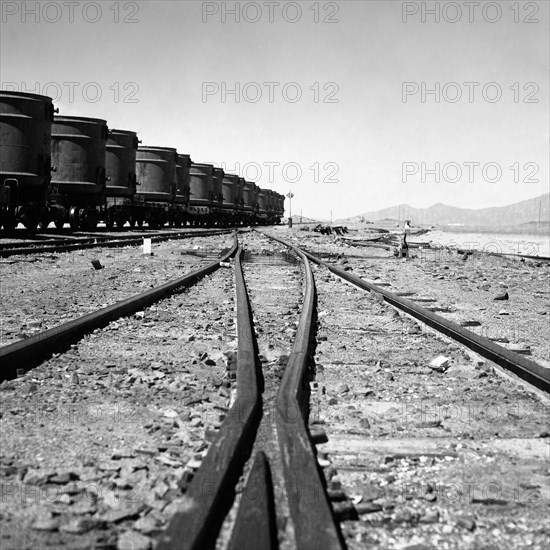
[
  {"x": 25, "y": 164},
  {"x": 201, "y": 198},
  {"x": 262, "y": 207},
  {"x": 217, "y": 197},
  {"x": 156, "y": 185},
  {"x": 121, "y": 176},
  {"x": 280, "y": 208},
  {"x": 74, "y": 169},
  {"x": 178, "y": 212},
  {"x": 250, "y": 206},
  {"x": 78, "y": 185},
  {"x": 270, "y": 205},
  {"x": 229, "y": 204},
  {"x": 240, "y": 200}
]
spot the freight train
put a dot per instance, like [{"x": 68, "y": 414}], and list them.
[{"x": 66, "y": 169}]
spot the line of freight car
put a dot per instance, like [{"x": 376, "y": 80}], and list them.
[{"x": 73, "y": 169}]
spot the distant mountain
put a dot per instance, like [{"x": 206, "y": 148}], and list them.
[{"x": 441, "y": 214}]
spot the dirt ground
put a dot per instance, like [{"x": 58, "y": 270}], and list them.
[
  {"x": 456, "y": 457},
  {"x": 99, "y": 443}
]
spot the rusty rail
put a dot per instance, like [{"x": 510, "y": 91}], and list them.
[
  {"x": 530, "y": 371},
  {"x": 29, "y": 352},
  {"x": 312, "y": 515},
  {"x": 64, "y": 245},
  {"x": 211, "y": 491}
]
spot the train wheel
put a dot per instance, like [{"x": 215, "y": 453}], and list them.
[
  {"x": 132, "y": 223},
  {"x": 74, "y": 218},
  {"x": 109, "y": 223},
  {"x": 140, "y": 224},
  {"x": 120, "y": 223},
  {"x": 59, "y": 224}
]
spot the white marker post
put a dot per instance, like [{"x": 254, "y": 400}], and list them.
[{"x": 147, "y": 247}]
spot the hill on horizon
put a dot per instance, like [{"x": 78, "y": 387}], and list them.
[{"x": 514, "y": 214}]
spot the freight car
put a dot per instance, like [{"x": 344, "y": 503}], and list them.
[
  {"x": 120, "y": 168},
  {"x": 25, "y": 163},
  {"x": 78, "y": 186},
  {"x": 68, "y": 169}
]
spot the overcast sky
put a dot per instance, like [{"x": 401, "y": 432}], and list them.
[{"x": 362, "y": 135}]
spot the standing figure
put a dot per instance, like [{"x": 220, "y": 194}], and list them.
[{"x": 406, "y": 231}]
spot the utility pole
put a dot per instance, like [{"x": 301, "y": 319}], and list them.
[
  {"x": 300, "y": 215},
  {"x": 290, "y": 195}
]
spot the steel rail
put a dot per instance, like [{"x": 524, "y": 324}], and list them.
[
  {"x": 45, "y": 241},
  {"x": 513, "y": 255},
  {"x": 105, "y": 242},
  {"x": 471, "y": 251},
  {"x": 29, "y": 352},
  {"x": 211, "y": 490},
  {"x": 255, "y": 526},
  {"x": 427, "y": 246},
  {"x": 367, "y": 244},
  {"x": 530, "y": 371},
  {"x": 87, "y": 237},
  {"x": 311, "y": 511}
]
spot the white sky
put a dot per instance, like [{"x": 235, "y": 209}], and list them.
[{"x": 360, "y": 140}]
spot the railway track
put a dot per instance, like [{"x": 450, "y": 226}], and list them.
[
  {"x": 224, "y": 461},
  {"x": 32, "y": 350},
  {"x": 265, "y": 423},
  {"x": 534, "y": 373},
  {"x": 440, "y": 249},
  {"x": 450, "y": 456},
  {"x": 329, "y": 429},
  {"x": 68, "y": 244},
  {"x": 111, "y": 414},
  {"x": 43, "y": 291}
]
